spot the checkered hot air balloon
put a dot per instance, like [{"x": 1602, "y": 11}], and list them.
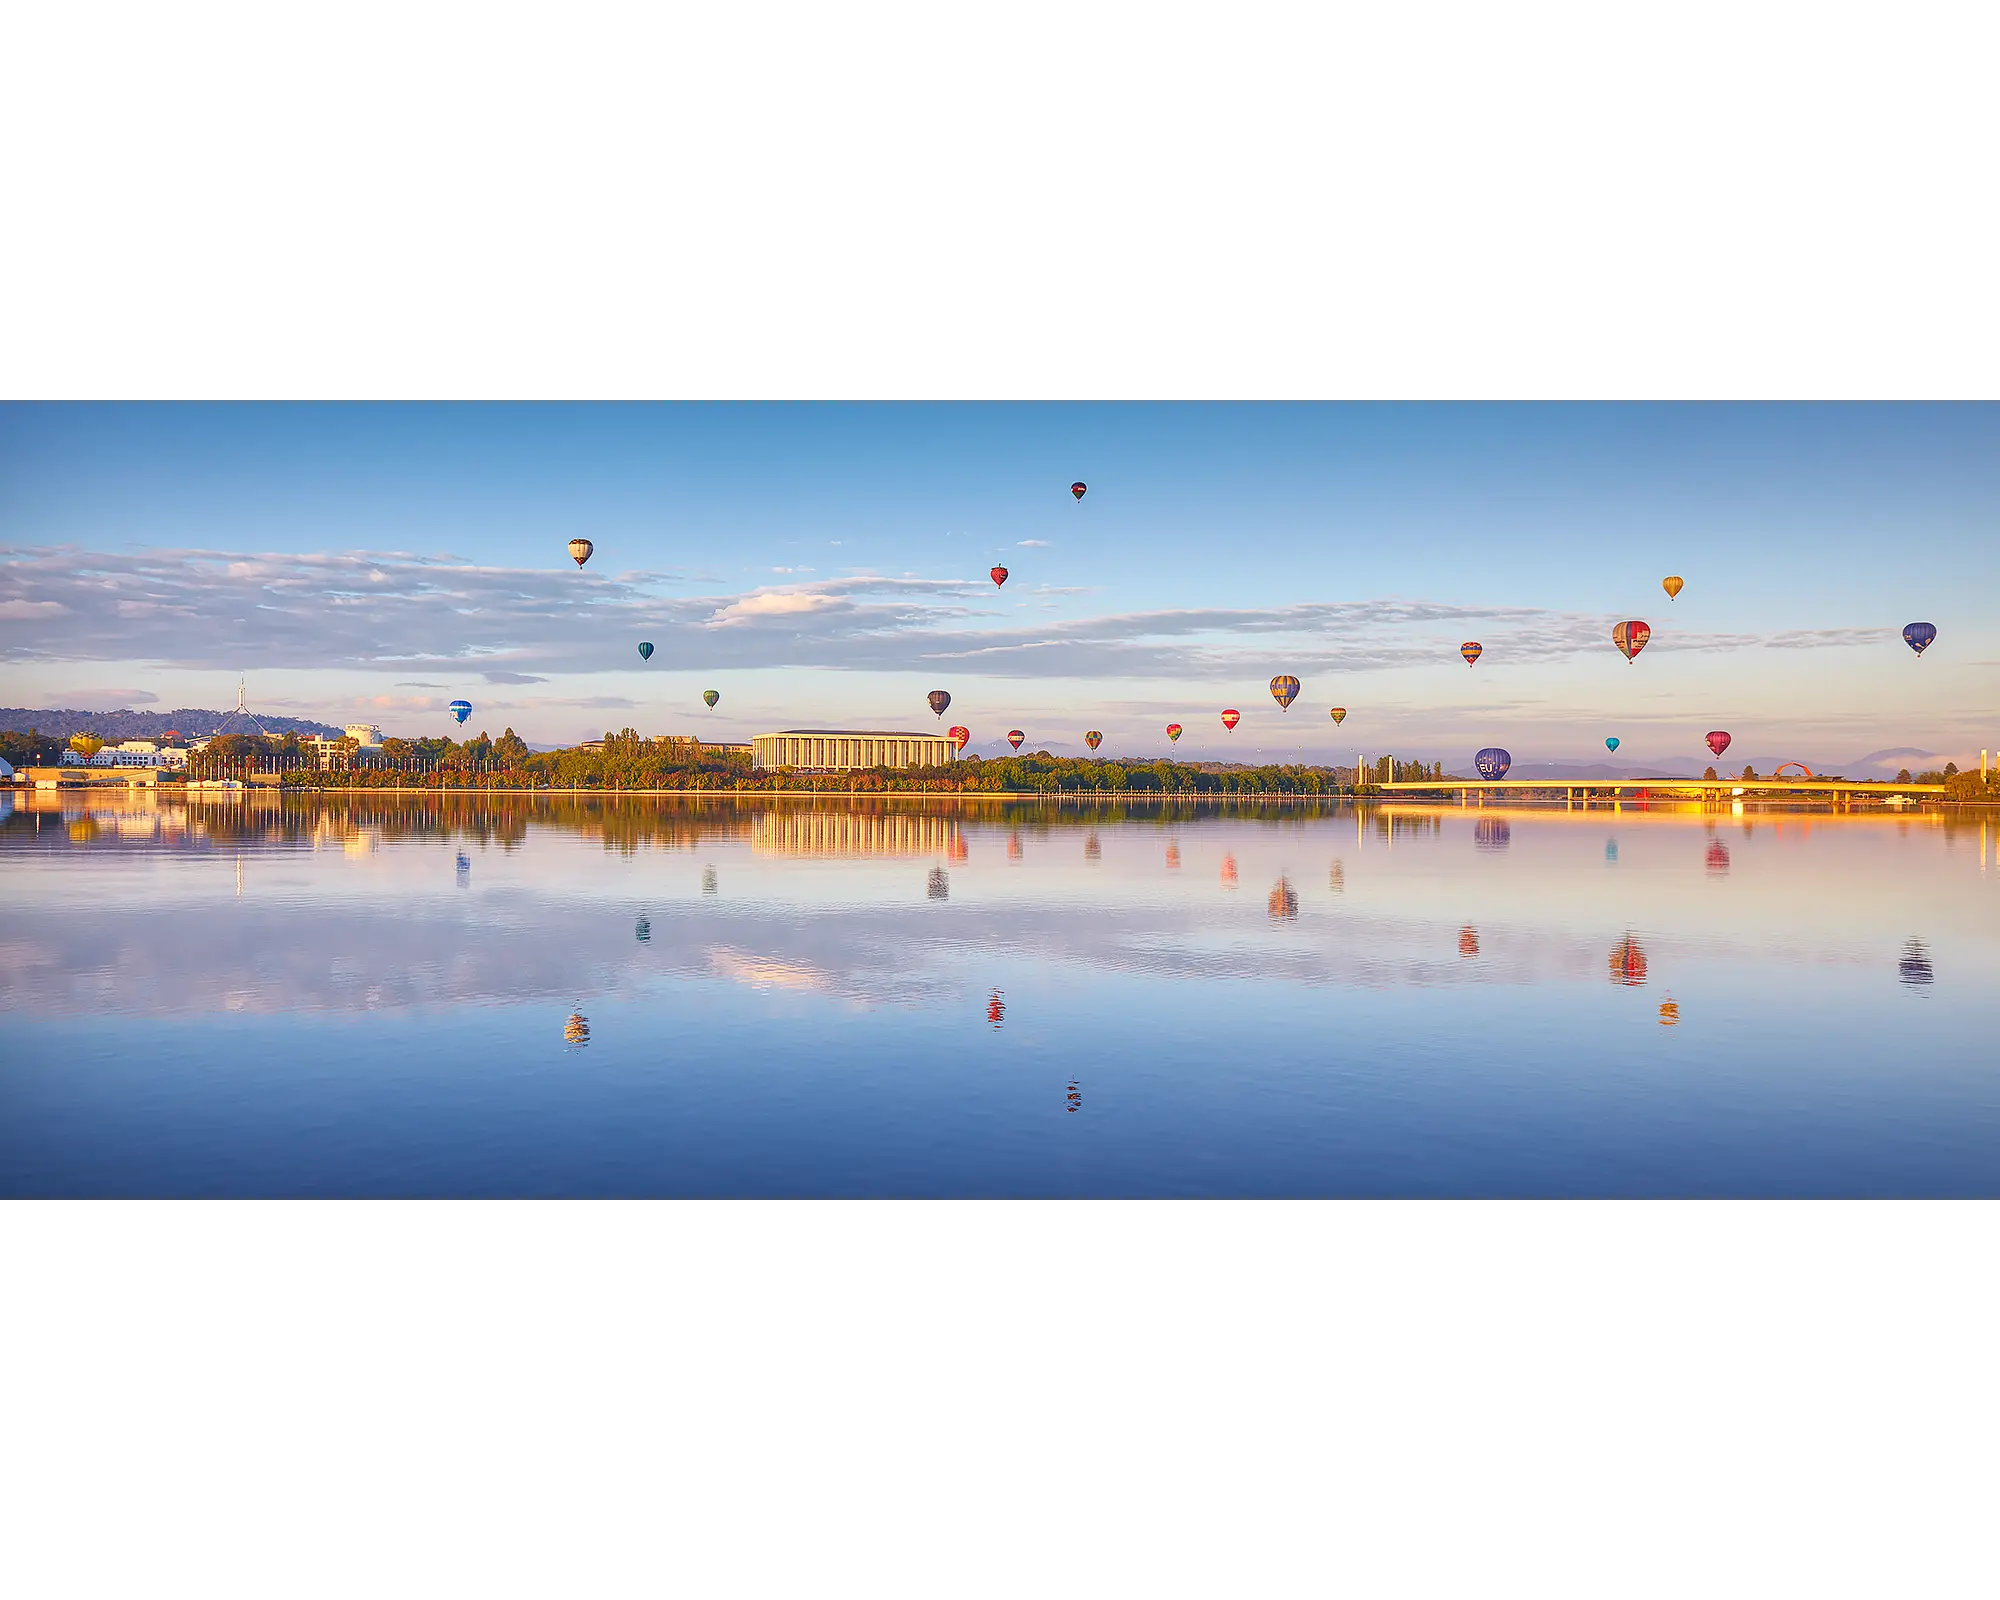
[
  {"x": 1093, "y": 738},
  {"x": 1339, "y": 715},
  {"x": 959, "y": 737}
]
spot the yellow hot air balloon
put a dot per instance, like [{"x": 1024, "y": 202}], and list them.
[{"x": 1673, "y": 586}]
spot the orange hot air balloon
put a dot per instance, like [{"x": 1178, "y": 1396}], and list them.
[
  {"x": 1339, "y": 715},
  {"x": 998, "y": 575},
  {"x": 1173, "y": 733},
  {"x": 1631, "y": 637},
  {"x": 1015, "y": 736},
  {"x": 1673, "y": 586},
  {"x": 958, "y": 737},
  {"x": 1471, "y": 650},
  {"x": 1231, "y": 718}
]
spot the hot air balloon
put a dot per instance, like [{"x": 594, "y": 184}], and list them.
[
  {"x": 1339, "y": 715},
  {"x": 939, "y": 700},
  {"x": 1611, "y": 743},
  {"x": 1492, "y": 763},
  {"x": 1173, "y": 733},
  {"x": 645, "y": 652},
  {"x": 1471, "y": 650},
  {"x": 1231, "y": 718},
  {"x": 579, "y": 550},
  {"x": 1631, "y": 637},
  {"x": 460, "y": 709},
  {"x": 1093, "y": 738},
  {"x": 1918, "y": 636},
  {"x": 1717, "y": 742},
  {"x": 958, "y": 737},
  {"x": 1284, "y": 690},
  {"x": 1673, "y": 586},
  {"x": 1015, "y": 736},
  {"x": 1077, "y": 490},
  {"x": 710, "y": 696},
  {"x": 998, "y": 575}
]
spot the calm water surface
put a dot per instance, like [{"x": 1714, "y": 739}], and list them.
[{"x": 807, "y": 998}]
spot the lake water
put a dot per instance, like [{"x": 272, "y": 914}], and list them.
[{"x": 799, "y": 997}]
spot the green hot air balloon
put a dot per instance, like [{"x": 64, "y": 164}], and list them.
[
  {"x": 645, "y": 652},
  {"x": 710, "y": 696}
]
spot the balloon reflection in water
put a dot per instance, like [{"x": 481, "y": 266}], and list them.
[
  {"x": 1915, "y": 967},
  {"x": 642, "y": 930},
  {"x": 1468, "y": 940},
  {"x": 938, "y": 886},
  {"x": 1628, "y": 963},
  {"x": 708, "y": 884},
  {"x": 1014, "y": 850},
  {"x": 1284, "y": 901},
  {"x": 1091, "y": 848},
  {"x": 1074, "y": 1097},
  {"x": 1611, "y": 851},
  {"x": 1229, "y": 872},
  {"x": 1173, "y": 855},
  {"x": 464, "y": 869},
  {"x": 1492, "y": 833},
  {"x": 1670, "y": 1013},
  {"x": 577, "y": 1030},
  {"x": 1718, "y": 859},
  {"x": 1336, "y": 878},
  {"x": 996, "y": 1008}
]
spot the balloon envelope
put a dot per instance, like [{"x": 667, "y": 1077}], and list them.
[
  {"x": 461, "y": 709},
  {"x": 939, "y": 700},
  {"x": 1717, "y": 742},
  {"x": 1077, "y": 490},
  {"x": 1339, "y": 715},
  {"x": 1015, "y": 736},
  {"x": 1173, "y": 733},
  {"x": 1231, "y": 718},
  {"x": 1471, "y": 650},
  {"x": 1631, "y": 637},
  {"x": 1673, "y": 586},
  {"x": 958, "y": 737},
  {"x": 645, "y": 652},
  {"x": 1492, "y": 762},
  {"x": 1284, "y": 690},
  {"x": 1611, "y": 744},
  {"x": 1918, "y": 636},
  {"x": 710, "y": 696},
  {"x": 998, "y": 575},
  {"x": 1093, "y": 738},
  {"x": 579, "y": 550}
]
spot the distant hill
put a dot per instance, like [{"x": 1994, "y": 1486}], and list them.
[{"x": 192, "y": 721}]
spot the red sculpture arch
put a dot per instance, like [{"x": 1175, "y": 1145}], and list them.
[{"x": 1808, "y": 771}]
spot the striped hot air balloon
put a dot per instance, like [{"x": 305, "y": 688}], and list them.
[
  {"x": 579, "y": 550},
  {"x": 940, "y": 701},
  {"x": 1918, "y": 636},
  {"x": 1339, "y": 715},
  {"x": 1231, "y": 718},
  {"x": 1015, "y": 736},
  {"x": 1284, "y": 690},
  {"x": 460, "y": 709},
  {"x": 1631, "y": 637},
  {"x": 645, "y": 652},
  {"x": 1471, "y": 650},
  {"x": 710, "y": 696}
]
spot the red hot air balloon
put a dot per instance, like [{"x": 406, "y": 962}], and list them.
[
  {"x": 958, "y": 737},
  {"x": 1231, "y": 718},
  {"x": 1173, "y": 733},
  {"x": 1015, "y": 736},
  {"x": 1471, "y": 650},
  {"x": 998, "y": 575},
  {"x": 1631, "y": 637},
  {"x": 1077, "y": 489},
  {"x": 1718, "y": 742}
]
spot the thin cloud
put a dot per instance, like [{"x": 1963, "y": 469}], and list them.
[
  {"x": 505, "y": 677},
  {"x": 1031, "y": 544}
]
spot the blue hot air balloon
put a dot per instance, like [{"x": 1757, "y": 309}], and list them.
[
  {"x": 1918, "y": 636},
  {"x": 1492, "y": 763},
  {"x": 646, "y": 651},
  {"x": 1611, "y": 744},
  {"x": 461, "y": 709}
]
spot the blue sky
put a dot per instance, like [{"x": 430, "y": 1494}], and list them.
[{"x": 824, "y": 565}]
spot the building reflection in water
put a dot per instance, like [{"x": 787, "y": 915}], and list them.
[
  {"x": 860, "y": 833},
  {"x": 1284, "y": 901},
  {"x": 1915, "y": 967},
  {"x": 1468, "y": 940},
  {"x": 1628, "y": 963},
  {"x": 1492, "y": 833},
  {"x": 938, "y": 885},
  {"x": 576, "y": 1031}
]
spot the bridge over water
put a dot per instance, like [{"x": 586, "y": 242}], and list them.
[{"x": 1712, "y": 791}]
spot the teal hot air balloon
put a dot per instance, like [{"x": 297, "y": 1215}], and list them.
[
  {"x": 1611, "y": 744},
  {"x": 460, "y": 709},
  {"x": 645, "y": 652},
  {"x": 710, "y": 696}
]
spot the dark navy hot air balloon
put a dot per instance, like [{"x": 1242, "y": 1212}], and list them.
[
  {"x": 1918, "y": 636},
  {"x": 940, "y": 701},
  {"x": 645, "y": 652},
  {"x": 460, "y": 709},
  {"x": 710, "y": 696},
  {"x": 1284, "y": 690},
  {"x": 1492, "y": 763},
  {"x": 1015, "y": 736},
  {"x": 1077, "y": 489}
]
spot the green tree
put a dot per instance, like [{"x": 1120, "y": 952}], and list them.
[
  {"x": 1708, "y": 773},
  {"x": 1903, "y": 776},
  {"x": 510, "y": 749}
]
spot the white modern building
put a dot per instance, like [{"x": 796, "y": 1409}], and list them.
[
  {"x": 845, "y": 750},
  {"x": 141, "y": 753},
  {"x": 365, "y": 734}
]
